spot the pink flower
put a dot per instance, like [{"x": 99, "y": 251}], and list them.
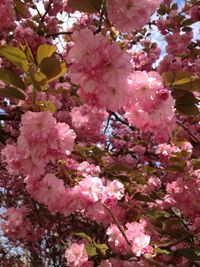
[
  {"x": 131, "y": 15},
  {"x": 88, "y": 122},
  {"x": 18, "y": 226},
  {"x": 150, "y": 106},
  {"x": 42, "y": 140},
  {"x": 37, "y": 125},
  {"x": 115, "y": 189},
  {"x": 136, "y": 235},
  {"x": 138, "y": 238},
  {"x": 66, "y": 137},
  {"x": 100, "y": 68},
  {"x": 12, "y": 158},
  {"x": 91, "y": 189},
  {"x": 48, "y": 191},
  {"x": 116, "y": 240},
  {"x": 7, "y": 16},
  {"x": 76, "y": 255}
]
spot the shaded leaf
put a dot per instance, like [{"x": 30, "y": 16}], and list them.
[
  {"x": 52, "y": 68},
  {"x": 45, "y": 51},
  {"x": 84, "y": 236},
  {"x": 12, "y": 78},
  {"x": 168, "y": 78},
  {"x": 12, "y": 92},
  {"x": 15, "y": 56},
  {"x": 47, "y": 106},
  {"x": 102, "y": 247},
  {"x": 91, "y": 250},
  {"x": 185, "y": 102},
  {"x": 175, "y": 168},
  {"x": 40, "y": 81},
  {"x": 20, "y": 7},
  {"x": 189, "y": 110},
  {"x": 142, "y": 197},
  {"x": 188, "y": 253},
  {"x": 27, "y": 50},
  {"x": 181, "y": 80},
  {"x": 196, "y": 163},
  {"x": 90, "y": 6}
]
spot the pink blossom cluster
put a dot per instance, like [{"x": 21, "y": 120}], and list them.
[
  {"x": 100, "y": 68},
  {"x": 166, "y": 151},
  {"x": 195, "y": 13},
  {"x": 88, "y": 122},
  {"x": 113, "y": 262},
  {"x": 151, "y": 105},
  {"x": 7, "y": 16},
  {"x": 93, "y": 194},
  {"x": 86, "y": 169},
  {"x": 87, "y": 196},
  {"x": 131, "y": 15},
  {"x": 135, "y": 232},
  {"x": 48, "y": 191},
  {"x": 184, "y": 195},
  {"x": 18, "y": 226},
  {"x": 56, "y": 7},
  {"x": 143, "y": 61},
  {"x": 178, "y": 43},
  {"x": 76, "y": 256},
  {"x": 168, "y": 21},
  {"x": 24, "y": 33},
  {"x": 42, "y": 140}
]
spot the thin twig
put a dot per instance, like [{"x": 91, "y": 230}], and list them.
[
  {"x": 47, "y": 10},
  {"x": 58, "y": 33},
  {"x": 188, "y": 130},
  {"x": 117, "y": 223},
  {"x": 150, "y": 260},
  {"x": 117, "y": 118}
]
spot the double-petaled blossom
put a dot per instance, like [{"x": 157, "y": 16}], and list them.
[
  {"x": 42, "y": 140},
  {"x": 150, "y": 106},
  {"x": 100, "y": 68},
  {"x": 129, "y": 15}
]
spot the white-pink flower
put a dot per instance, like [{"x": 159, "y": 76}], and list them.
[
  {"x": 76, "y": 255},
  {"x": 129, "y": 15},
  {"x": 100, "y": 68}
]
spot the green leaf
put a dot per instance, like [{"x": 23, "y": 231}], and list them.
[
  {"x": 101, "y": 247},
  {"x": 142, "y": 197},
  {"x": 189, "y": 84},
  {"x": 27, "y": 50},
  {"x": 84, "y": 236},
  {"x": 168, "y": 78},
  {"x": 40, "y": 81},
  {"x": 162, "y": 251},
  {"x": 15, "y": 56},
  {"x": 12, "y": 78},
  {"x": 45, "y": 51},
  {"x": 12, "y": 92},
  {"x": 91, "y": 250},
  {"x": 90, "y": 6},
  {"x": 189, "y": 253},
  {"x": 47, "y": 105},
  {"x": 181, "y": 80},
  {"x": 52, "y": 68}
]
